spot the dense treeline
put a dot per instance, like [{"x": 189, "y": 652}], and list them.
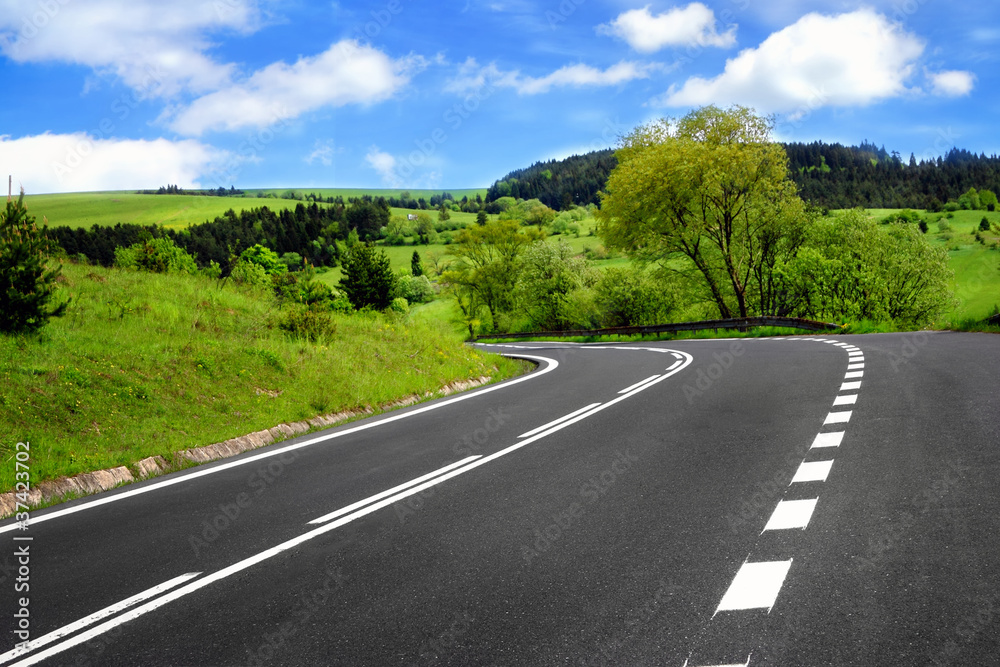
[
  {"x": 178, "y": 190},
  {"x": 835, "y": 176},
  {"x": 311, "y": 231},
  {"x": 559, "y": 184},
  {"x": 829, "y": 176}
]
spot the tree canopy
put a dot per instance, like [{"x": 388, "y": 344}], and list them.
[{"x": 709, "y": 196}]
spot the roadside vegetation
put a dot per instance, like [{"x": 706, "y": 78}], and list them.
[{"x": 154, "y": 356}]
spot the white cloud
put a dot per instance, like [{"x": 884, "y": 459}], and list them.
[
  {"x": 346, "y": 73},
  {"x": 952, "y": 83},
  {"x": 850, "y": 59},
  {"x": 384, "y": 164},
  {"x": 471, "y": 77},
  {"x": 78, "y": 162},
  {"x": 693, "y": 25},
  {"x": 323, "y": 152},
  {"x": 154, "y": 48}
]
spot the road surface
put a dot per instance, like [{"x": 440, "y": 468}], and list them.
[{"x": 795, "y": 501}]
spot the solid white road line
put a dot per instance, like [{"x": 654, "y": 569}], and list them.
[
  {"x": 791, "y": 514},
  {"x": 756, "y": 586},
  {"x": 275, "y": 451},
  {"x": 638, "y": 384},
  {"x": 559, "y": 421},
  {"x": 95, "y": 617},
  {"x": 838, "y": 417},
  {"x": 812, "y": 472},
  {"x": 846, "y": 399},
  {"x": 396, "y": 489}
]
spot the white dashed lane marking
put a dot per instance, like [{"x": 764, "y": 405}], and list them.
[
  {"x": 756, "y": 586},
  {"x": 827, "y": 440},
  {"x": 791, "y": 514},
  {"x": 812, "y": 471},
  {"x": 838, "y": 418}
]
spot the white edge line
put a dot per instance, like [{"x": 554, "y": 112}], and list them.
[
  {"x": 638, "y": 384},
  {"x": 557, "y": 421},
  {"x": 201, "y": 472},
  {"x": 95, "y": 617},
  {"x": 396, "y": 489},
  {"x": 292, "y": 543}
]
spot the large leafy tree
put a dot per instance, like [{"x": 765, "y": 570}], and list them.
[
  {"x": 485, "y": 273},
  {"x": 368, "y": 280},
  {"x": 27, "y": 284},
  {"x": 709, "y": 196}
]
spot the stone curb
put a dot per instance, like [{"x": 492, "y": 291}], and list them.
[{"x": 89, "y": 483}]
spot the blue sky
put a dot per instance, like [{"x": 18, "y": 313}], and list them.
[{"x": 107, "y": 94}]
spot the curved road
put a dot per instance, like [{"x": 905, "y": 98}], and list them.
[{"x": 793, "y": 501}]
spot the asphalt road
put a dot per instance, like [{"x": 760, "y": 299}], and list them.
[{"x": 796, "y": 501}]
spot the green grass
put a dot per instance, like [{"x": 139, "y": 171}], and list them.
[
  {"x": 376, "y": 192},
  {"x": 147, "y": 364},
  {"x": 109, "y": 208}
]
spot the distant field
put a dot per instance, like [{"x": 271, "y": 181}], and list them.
[
  {"x": 376, "y": 192},
  {"x": 84, "y": 209},
  {"x": 109, "y": 208}
]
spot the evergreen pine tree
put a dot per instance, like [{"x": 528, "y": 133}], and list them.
[
  {"x": 27, "y": 285},
  {"x": 416, "y": 268},
  {"x": 368, "y": 279}
]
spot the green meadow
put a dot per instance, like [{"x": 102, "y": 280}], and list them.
[
  {"x": 86, "y": 209},
  {"x": 147, "y": 364}
]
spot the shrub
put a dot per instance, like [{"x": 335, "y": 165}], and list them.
[
  {"x": 265, "y": 258},
  {"x": 399, "y": 305},
  {"x": 631, "y": 297},
  {"x": 984, "y": 224},
  {"x": 248, "y": 273},
  {"x": 27, "y": 284},
  {"x": 306, "y": 323},
  {"x": 156, "y": 256},
  {"x": 415, "y": 289}
]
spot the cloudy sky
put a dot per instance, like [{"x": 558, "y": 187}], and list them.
[{"x": 114, "y": 94}]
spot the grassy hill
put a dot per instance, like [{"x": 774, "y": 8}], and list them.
[
  {"x": 147, "y": 364},
  {"x": 84, "y": 209}
]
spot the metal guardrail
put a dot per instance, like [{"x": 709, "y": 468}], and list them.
[{"x": 741, "y": 323}]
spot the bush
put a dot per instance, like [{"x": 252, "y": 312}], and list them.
[
  {"x": 399, "y": 305},
  {"x": 265, "y": 258},
  {"x": 633, "y": 297},
  {"x": 984, "y": 224},
  {"x": 305, "y": 323},
  {"x": 156, "y": 256},
  {"x": 415, "y": 289},
  {"x": 27, "y": 284},
  {"x": 248, "y": 273}
]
